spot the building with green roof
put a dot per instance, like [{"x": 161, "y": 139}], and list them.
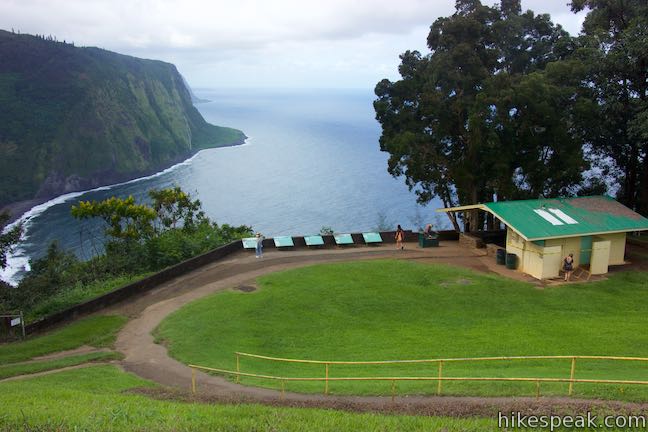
[{"x": 541, "y": 232}]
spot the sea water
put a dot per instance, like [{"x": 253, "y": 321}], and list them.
[{"x": 312, "y": 159}]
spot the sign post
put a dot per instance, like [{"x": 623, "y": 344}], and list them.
[{"x": 15, "y": 319}]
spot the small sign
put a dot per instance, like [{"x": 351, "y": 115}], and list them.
[{"x": 15, "y": 322}]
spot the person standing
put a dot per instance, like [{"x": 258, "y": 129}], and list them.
[
  {"x": 429, "y": 232},
  {"x": 400, "y": 236},
  {"x": 568, "y": 266},
  {"x": 259, "y": 245}
]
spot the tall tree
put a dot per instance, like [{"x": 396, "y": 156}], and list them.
[
  {"x": 481, "y": 113},
  {"x": 615, "y": 35}
]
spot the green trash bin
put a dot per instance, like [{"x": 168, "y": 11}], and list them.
[
  {"x": 501, "y": 256},
  {"x": 511, "y": 261},
  {"x": 425, "y": 241}
]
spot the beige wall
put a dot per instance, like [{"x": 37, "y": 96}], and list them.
[
  {"x": 600, "y": 256},
  {"x": 569, "y": 245},
  {"x": 617, "y": 247},
  {"x": 515, "y": 245},
  {"x": 552, "y": 260},
  {"x": 542, "y": 262}
]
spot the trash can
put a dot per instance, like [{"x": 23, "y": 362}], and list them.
[
  {"x": 425, "y": 241},
  {"x": 501, "y": 256},
  {"x": 511, "y": 261}
]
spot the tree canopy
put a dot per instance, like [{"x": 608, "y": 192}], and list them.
[
  {"x": 614, "y": 44},
  {"x": 502, "y": 104}
]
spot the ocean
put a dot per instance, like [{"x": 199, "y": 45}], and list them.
[{"x": 312, "y": 159}]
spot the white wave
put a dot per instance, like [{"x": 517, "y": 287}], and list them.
[{"x": 18, "y": 261}]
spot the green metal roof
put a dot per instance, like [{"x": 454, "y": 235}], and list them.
[{"x": 567, "y": 217}]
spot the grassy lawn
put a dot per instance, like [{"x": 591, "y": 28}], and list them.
[
  {"x": 98, "y": 331},
  {"x": 386, "y": 310},
  {"x": 11, "y": 370},
  {"x": 94, "y": 398}
]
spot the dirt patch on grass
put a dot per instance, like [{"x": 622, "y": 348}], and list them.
[
  {"x": 429, "y": 406},
  {"x": 85, "y": 349},
  {"x": 246, "y": 288}
]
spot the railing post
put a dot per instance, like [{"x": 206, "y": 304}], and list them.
[
  {"x": 571, "y": 376},
  {"x": 22, "y": 324},
  {"x": 538, "y": 389},
  {"x": 439, "y": 380},
  {"x": 193, "y": 380},
  {"x": 238, "y": 368},
  {"x": 326, "y": 380},
  {"x": 283, "y": 389},
  {"x": 393, "y": 390}
]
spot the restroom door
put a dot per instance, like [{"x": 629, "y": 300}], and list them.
[
  {"x": 585, "y": 250},
  {"x": 600, "y": 257}
]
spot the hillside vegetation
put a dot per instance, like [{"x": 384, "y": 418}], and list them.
[{"x": 75, "y": 118}]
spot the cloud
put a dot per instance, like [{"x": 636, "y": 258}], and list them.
[{"x": 289, "y": 37}]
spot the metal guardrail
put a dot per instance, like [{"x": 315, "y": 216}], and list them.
[{"x": 439, "y": 378}]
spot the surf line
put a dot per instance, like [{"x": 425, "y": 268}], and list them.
[{"x": 18, "y": 261}]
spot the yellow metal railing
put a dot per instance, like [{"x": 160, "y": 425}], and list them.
[{"x": 439, "y": 378}]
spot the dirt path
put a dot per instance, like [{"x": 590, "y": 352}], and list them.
[{"x": 151, "y": 361}]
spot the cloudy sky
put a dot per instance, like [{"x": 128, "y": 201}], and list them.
[{"x": 247, "y": 43}]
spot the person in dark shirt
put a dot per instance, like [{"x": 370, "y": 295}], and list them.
[{"x": 568, "y": 266}]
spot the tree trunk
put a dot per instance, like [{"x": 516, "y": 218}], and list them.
[{"x": 453, "y": 220}]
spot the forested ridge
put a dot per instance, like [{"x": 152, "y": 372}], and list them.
[{"x": 76, "y": 118}]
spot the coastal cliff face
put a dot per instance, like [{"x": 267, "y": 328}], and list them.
[{"x": 77, "y": 118}]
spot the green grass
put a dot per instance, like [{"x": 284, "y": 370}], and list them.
[
  {"x": 78, "y": 294},
  {"x": 98, "y": 331},
  {"x": 94, "y": 398},
  {"x": 11, "y": 370},
  {"x": 385, "y": 310}
]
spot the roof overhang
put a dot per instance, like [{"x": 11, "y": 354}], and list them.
[
  {"x": 481, "y": 207},
  {"x": 487, "y": 208},
  {"x": 590, "y": 234},
  {"x": 462, "y": 208}
]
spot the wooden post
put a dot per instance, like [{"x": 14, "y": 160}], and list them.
[
  {"x": 283, "y": 389},
  {"x": 193, "y": 380},
  {"x": 537, "y": 389},
  {"x": 439, "y": 380},
  {"x": 571, "y": 376},
  {"x": 326, "y": 381},
  {"x": 22, "y": 323},
  {"x": 238, "y": 368},
  {"x": 393, "y": 390}
]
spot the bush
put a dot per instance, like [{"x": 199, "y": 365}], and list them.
[{"x": 181, "y": 231}]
